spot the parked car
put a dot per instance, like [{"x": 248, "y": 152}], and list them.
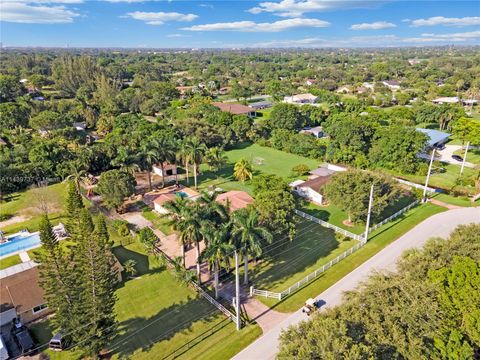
[
  {"x": 457, "y": 157},
  {"x": 310, "y": 306},
  {"x": 59, "y": 342},
  {"x": 22, "y": 337}
]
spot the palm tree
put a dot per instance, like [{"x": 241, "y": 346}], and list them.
[
  {"x": 212, "y": 211},
  {"x": 188, "y": 222},
  {"x": 196, "y": 151},
  {"x": 218, "y": 249},
  {"x": 248, "y": 234},
  {"x": 129, "y": 267},
  {"x": 176, "y": 209},
  {"x": 148, "y": 157},
  {"x": 165, "y": 150},
  {"x": 215, "y": 158},
  {"x": 243, "y": 170},
  {"x": 180, "y": 273},
  {"x": 184, "y": 156},
  {"x": 78, "y": 174},
  {"x": 126, "y": 161}
]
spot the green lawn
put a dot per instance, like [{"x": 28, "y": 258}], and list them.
[
  {"x": 287, "y": 262},
  {"x": 458, "y": 201},
  {"x": 378, "y": 240},
  {"x": 157, "y": 315},
  {"x": 26, "y": 204},
  {"x": 10, "y": 261},
  {"x": 473, "y": 155},
  {"x": 159, "y": 222},
  {"x": 445, "y": 180},
  {"x": 265, "y": 160}
]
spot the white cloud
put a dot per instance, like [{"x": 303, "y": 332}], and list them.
[
  {"x": 296, "y": 8},
  {"x": 33, "y": 2},
  {"x": 176, "y": 35},
  {"x": 19, "y": 12},
  {"x": 448, "y": 38},
  {"x": 251, "y": 26},
  {"x": 159, "y": 18},
  {"x": 210, "y": 6},
  {"x": 440, "y": 20},
  {"x": 373, "y": 26}
]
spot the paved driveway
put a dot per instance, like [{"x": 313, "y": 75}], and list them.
[
  {"x": 439, "y": 225},
  {"x": 445, "y": 155}
]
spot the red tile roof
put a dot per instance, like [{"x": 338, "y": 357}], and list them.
[
  {"x": 236, "y": 109},
  {"x": 162, "y": 199},
  {"x": 236, "y": 199}
]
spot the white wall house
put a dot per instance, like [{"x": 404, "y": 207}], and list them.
[{"x": 300, "y": 99}]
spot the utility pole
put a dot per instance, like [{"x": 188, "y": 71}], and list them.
[
  {"x": 424, "y": 199},
  {"x": 237, "y": 291},
  {"x": 367, "y": 225},
  {"x": 464, "y": 158}
]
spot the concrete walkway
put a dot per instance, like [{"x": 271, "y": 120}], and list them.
[
  {"x": 443, "y": 204},
  {"x": 439, "y": 225},
  {"x": 24, "y": 256}
]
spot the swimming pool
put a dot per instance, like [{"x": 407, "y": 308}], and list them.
[
  {"x": 20, "y": 241},
  {"x": 182, "y": 194}
]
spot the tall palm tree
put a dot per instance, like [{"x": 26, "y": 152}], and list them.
[
  {"x": 218, "y": 250},
  {"x": 196, "y": 150},
  {"x": 248, "y": 234},
  {"x": 212, "y": 211},
  {"x": 243, "y": 170},
  {"x": 187, "y": 222},
  {"x": 165, "y": 150},
  {"x": 126, "y": 161},
  {"x": 148, "y": 157},
  {"x": 215, "y": 158},
  {"x": 78, "y": 173},
  {"x": 183, "y": 156},
  {"x": 176, "y": 209}
]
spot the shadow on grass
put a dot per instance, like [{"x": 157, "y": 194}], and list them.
[
  {"x": 141, "y": 334},
  {"x": 142, "y": 261},
  {"x": 289, "y": 258}
]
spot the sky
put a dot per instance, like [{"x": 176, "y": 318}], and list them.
[{"x": 238, "y": 24}]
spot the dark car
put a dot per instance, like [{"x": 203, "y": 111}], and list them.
[
  {"x": 22, "y": 337},
  {"x": 457, "y": 157}
]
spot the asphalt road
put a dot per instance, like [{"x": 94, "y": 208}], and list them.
[{"x": 439, "y": 225}]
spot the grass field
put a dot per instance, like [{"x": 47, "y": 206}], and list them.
[
  {"x": 26, "y": 204},
  {"x": 10, "y": 261},
  {"x": 265, "y": 160},
  {"x": 458, "y": 201},
  {"x": 473, "y": 155},
  {"x": 287, "y": 262},
  {"x": 159, "y": 222},
  {"x": 378, "y": 240},
  {"x": 157, "y": 315}
]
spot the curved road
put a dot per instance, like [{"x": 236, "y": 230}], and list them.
[{"x": 439, "y": 225}]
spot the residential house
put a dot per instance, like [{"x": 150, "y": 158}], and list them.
[
  {"x": 261, "y": 105},
  {"x": 170, "y": 194},
  {"x": 20, "y": 293},
  {"x": 369, "y": 86},
  {"x": 361, "y": 90},
  {"x": 310, "y": 82},
  {"x": 316, "y": 131},
  {"x": 169, "y": 171},
  {"x": 413, "y": 62},
  {"x": 311, "y": 189},
  {"x": 392, "y": 84},
  {"x": 235, "y": 109},
  {"x": 301, "y": 99},
  {"x": 436, "y": 138},
  {"x": 446, "y": 100},
  {"x": 235, "y": 200},
  {"x": 80, "y": 126},
  {"x": 183, "y": 90},
  {"x": 345, "y": 89}
]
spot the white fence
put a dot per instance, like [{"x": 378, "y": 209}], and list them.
[
  {"x": 330, "y": 226},
  {"x": 313, "y": 275},
  {"x": 417, "y": 186},
  {"x": 394, "y": 216},
  {"x": 308, "y": 278}
]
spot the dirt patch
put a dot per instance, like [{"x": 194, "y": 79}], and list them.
[
  {"x": 13, "y": 220},
  {"x": 348, "y": 223}
]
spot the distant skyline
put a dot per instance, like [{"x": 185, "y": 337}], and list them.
[{"x": 238, "y": 24}]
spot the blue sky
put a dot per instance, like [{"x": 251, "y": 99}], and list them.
[{"x": 226, "y": 24}]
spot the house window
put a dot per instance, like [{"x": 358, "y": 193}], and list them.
[{"x": 39, "y": 308}]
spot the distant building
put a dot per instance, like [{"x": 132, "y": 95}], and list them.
[
  {"x": 80, "y": 126},
  {"x": 435, "y": 137},
  {"x": 345, "y": 89},
  {"x": 414, "y": 61},
  {"x": 310, "y": 82},
  {"x": 316, "y": 131},
  {"x": 446, "y": 100},
  {"x": 261, "y": 105},
  {"x": 369, "y": 86},
  {"x": 362, "y": 90},
  {"x": 301, "y": 99},
  {"x": 392, "y": 84},
  {"x": 235, "y": 109},
  {"x": 311, "y": 189}
]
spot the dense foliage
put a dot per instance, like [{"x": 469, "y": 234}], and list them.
[{"x": 429, "y": 309}]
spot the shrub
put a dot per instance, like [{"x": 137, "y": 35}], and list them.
[
  {"x": 4, "y": 217},
  {"x": 300, "y": 169}
]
